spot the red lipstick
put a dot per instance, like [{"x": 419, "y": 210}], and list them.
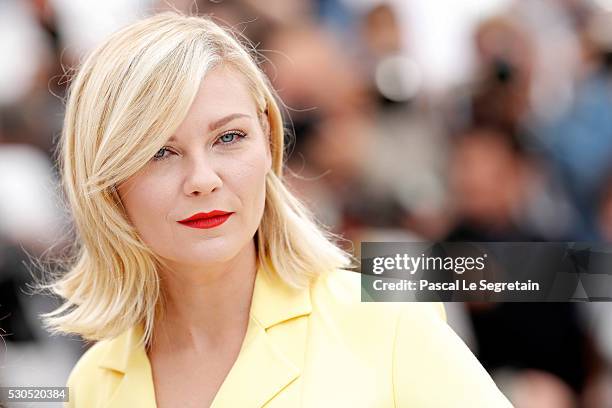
[{"x": 206, "y": 219}]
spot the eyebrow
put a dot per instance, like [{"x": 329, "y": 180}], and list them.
[
  {"x": 226, "y": 119},
  {"x": 220, "y": 122}
]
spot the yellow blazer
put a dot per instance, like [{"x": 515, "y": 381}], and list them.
[{"x": 318, "y": 347}]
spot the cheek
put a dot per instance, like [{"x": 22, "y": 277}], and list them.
[
  {"x": 247, "y": 180},
  {"x": 147, "y": 199}
]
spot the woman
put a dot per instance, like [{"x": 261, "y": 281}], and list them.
[{"x": 204, "y": 281}]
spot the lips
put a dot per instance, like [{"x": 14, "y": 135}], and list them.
[
  {"x": 206, "y": 219},
  {"x": 204, "y": 215}
]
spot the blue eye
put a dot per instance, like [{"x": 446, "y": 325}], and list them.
[
  {"x": 231, "y": 137},
  {"x": 160, "y": 154},
  {"x": 225, "y": 139}
]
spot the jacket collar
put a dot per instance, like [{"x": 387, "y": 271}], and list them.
[{"x": 273, "y": 303}]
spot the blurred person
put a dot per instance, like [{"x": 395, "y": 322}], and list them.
[
  {"x": 501, "y": 98},
  {"x": 505, "y": 61},
  {"x": 489, "y": 177},
  {"x": 521, "y": 83},
  {"x": 519, "y": 55},
  {"x": 578, "y": 141},
  {"x": 537, "y": 52},
  {"x": 258, "y": 311},
  {"x": 409, "y": 152}
]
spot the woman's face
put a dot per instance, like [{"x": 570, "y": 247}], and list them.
[{"x": 217, "y": 160}]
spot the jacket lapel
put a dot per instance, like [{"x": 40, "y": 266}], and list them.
[
  {"x": 269, "y": 360},
  {"x": 272, "y": 352},
  {"x": 128, "y": 359},
  {"x": 259, "y": 373}
]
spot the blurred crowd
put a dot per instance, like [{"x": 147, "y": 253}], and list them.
[{"x": 407, "y": 120}]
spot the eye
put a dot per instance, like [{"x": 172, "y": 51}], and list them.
[
  {"x": 231, "y": 137},
  {"x": 160, "y": 155}
]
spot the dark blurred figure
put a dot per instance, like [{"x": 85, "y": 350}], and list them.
[
  {"x": 506, "y": 59},
  {"x": 14, "y": 322},
  {"x": 489, "y": 176},
  {"x": 496, "y": 187}
]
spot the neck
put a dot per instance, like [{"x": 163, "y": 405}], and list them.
[{"x": 203, "y": 307}]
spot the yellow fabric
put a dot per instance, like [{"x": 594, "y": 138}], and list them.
[{"x": 317, "y": 347}]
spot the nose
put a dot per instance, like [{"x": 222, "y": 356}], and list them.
[{"x": 201, "y": 178}]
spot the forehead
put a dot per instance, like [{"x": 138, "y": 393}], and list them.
[{"x": 223, "y": 93}]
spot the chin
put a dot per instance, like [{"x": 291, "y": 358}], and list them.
[{"x": 216, "y": 250}]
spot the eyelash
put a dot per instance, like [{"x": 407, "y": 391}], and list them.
[{"x": 239, "y": 136}]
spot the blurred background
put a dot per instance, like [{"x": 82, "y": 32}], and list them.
[{"x": 413, "y": 120}]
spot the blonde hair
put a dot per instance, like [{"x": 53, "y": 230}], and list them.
[{"x": 127, "y": 99}]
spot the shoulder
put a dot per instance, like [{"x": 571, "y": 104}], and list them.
[
  {"x": 337, "y": 308},
  {"x": 425, "y": 355},
  {"x": 89, "y": 362},
  {"x": 86, "y": 375},
  {"x": 341, "y": 289},
  {"x": 429, "y": 357},
  {"x": 100, "y": 369}
]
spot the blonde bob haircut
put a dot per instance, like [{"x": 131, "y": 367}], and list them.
[{"x": 128, "y": 97}]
